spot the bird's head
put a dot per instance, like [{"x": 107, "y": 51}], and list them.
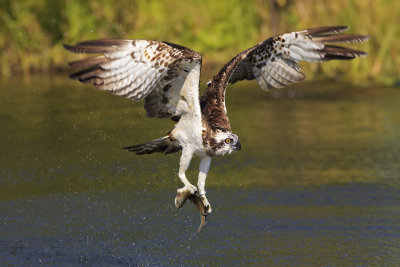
[{"x": 226, "y": 142}]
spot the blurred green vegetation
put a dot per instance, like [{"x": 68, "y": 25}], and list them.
[{"x": 32, "y": 31}]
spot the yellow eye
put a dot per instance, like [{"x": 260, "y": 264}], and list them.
[{"x": 227, "y": 140}]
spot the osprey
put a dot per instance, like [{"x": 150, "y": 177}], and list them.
[{"x": 167, "y": 77}]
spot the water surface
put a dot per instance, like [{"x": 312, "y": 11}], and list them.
[{"x": 316, "y": 182}]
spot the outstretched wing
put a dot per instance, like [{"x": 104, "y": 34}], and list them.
[
  {"x": 162, "y": 73},
  {"x": 274, "y": 62}
]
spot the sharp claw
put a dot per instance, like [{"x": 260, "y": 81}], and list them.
[{"x": 206, "y": 205}]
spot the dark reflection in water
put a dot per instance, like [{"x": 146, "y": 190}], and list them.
[{"x": 316, "y": 182}]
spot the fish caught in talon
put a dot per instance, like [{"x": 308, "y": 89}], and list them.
[
  {"x": 201, "y": 202},
  {"x": 205, "y": 209}
]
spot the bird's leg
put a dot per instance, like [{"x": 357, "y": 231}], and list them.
[
  {"x": 186, "y": 157},
  {"x": 188, "y": 189},
  {"x": 201, "y": 182},
  {"x": 203, "y": 171}
]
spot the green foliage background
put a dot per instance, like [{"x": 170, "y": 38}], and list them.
[{"x": 32, "y": 31}]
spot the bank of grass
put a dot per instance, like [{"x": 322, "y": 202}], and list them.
[{"x": 32, "y": 31}]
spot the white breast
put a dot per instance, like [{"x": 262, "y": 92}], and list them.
[{"x": 188, "y": 130}]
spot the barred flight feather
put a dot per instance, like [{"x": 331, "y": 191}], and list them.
[
  {"x": 136, "y": 69},
  {"x": 274, "y": 62}
]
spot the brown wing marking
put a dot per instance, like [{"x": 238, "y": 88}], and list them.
[{"x": 137, "y": 69}]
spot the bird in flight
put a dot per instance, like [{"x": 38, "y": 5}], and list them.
[{"x": 167, "y": 77}]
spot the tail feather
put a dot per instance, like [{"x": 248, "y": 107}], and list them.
[{"x": 165, "y": 145}]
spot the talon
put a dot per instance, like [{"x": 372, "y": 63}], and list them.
[
  {"x": 193, "y": 190},
  {"x": 207, "y": 210},
  {"x": 207, "y": 207}
]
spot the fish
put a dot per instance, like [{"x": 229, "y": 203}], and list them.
[{"x": 200, "y": 201}]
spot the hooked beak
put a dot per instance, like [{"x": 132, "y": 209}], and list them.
[{"x": 238, "y": 146}]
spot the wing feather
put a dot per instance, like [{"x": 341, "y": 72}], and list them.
[
  {"x": 274, "y": 62},
  {"x": 139, "y": 69}
]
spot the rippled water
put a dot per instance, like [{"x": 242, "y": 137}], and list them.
[{"x": 316, "y": 182}]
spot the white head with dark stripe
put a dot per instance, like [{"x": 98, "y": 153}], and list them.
[{"x": 226, "y": 142}]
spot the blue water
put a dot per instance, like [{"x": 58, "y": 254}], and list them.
[
  {"x": 317, "y": 181},
  {"x": 324, "y": 225}
]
